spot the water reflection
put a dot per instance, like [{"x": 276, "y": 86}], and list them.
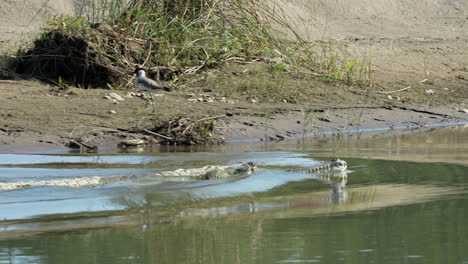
[
  {"x": 431, "y": 144},
  {"x": 134, "y": 194},
  {"x": 382, "y": 210},
  {"x": 338, "y": 183},
  {"x": 389, "y": 235}
]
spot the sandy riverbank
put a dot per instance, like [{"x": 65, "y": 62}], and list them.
[{"x": 422, "y": 45}]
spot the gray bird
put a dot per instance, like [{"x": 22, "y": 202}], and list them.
[{"x": 147, "y": 85}]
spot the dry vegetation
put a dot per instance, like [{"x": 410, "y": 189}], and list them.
[
  {"x": 179, "y": 40},
  {"x": 178, "y": 37}
]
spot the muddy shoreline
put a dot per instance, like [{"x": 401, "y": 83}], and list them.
[{"x": 41, "y": 121}]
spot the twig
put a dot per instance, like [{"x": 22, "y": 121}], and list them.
[
  {"x": 406, "y": 88},
  {"x": 130, "y": 81},
  {"x": 195, "y": 68},
  {"x": 187, "y": 128},
  {"x": 241, "y": 60},
  {"x": 81, "y": 144},
  {"x": 209, "y": 118},
  {"x": 42, "y": 7},
  {"x": 149, "y": 53},
  {"x": 312, "y": 73},
  {"x": 156, "y": 134}
]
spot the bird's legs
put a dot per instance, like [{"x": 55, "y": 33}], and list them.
[{"x": 149, "y": 100}]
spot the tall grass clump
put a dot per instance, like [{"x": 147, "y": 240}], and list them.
[
  {"x": 189, "y": 33},
  {"x": 179, "y": 37}
]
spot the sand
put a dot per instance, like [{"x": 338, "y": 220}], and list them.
[{"x": 420, "y": 44}]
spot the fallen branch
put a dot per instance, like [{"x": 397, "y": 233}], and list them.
[
  {"x": 187, "y": 128},
  {"x": 80, "y": 144},
  {"x": 156, "y": 134},
  {"x": 406, "y": 88},
  {"x": 210, "y": 118},
  {"x": 130, "y": 81},
  {"x": 241, "y": 60}
]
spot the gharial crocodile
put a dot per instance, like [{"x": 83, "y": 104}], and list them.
[
  {"x": 204, "y": 173},
  {"x": 334, "y": 165},
  {"x": 334, "y": 173}
]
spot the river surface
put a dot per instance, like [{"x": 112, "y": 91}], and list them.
[{"x": 405, "y": 200}]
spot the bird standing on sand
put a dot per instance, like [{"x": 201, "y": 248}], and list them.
[{"x": 147, "y": 85}]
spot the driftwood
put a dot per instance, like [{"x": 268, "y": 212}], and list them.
[
  {"x": 186, "y": 131},
  {"x": 156, "y": 134}
]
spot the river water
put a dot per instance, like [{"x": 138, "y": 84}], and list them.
[{"x": 404, "y": 201}]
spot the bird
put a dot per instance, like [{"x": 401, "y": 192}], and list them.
[{"x": 147, "y": 85}]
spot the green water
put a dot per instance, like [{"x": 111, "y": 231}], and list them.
[
  {"x": 435, "y": 232},
  {"x": 404, "y": 201}
]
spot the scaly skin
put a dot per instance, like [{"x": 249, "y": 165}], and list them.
[
  {"x": 333, "y": 165},
  {"x": 204, "y": 173}
]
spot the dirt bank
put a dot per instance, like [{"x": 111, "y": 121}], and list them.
[
  {"x": 406, "y": 41},
  {"x": 35, "y": 116},
  {"x": 20, "y": 21},
  {"x": 418, "y": 46}
]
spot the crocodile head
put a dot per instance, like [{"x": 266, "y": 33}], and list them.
[
  {"x": 339, "y": 164},
  {"x": 253, "y": 165}
]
